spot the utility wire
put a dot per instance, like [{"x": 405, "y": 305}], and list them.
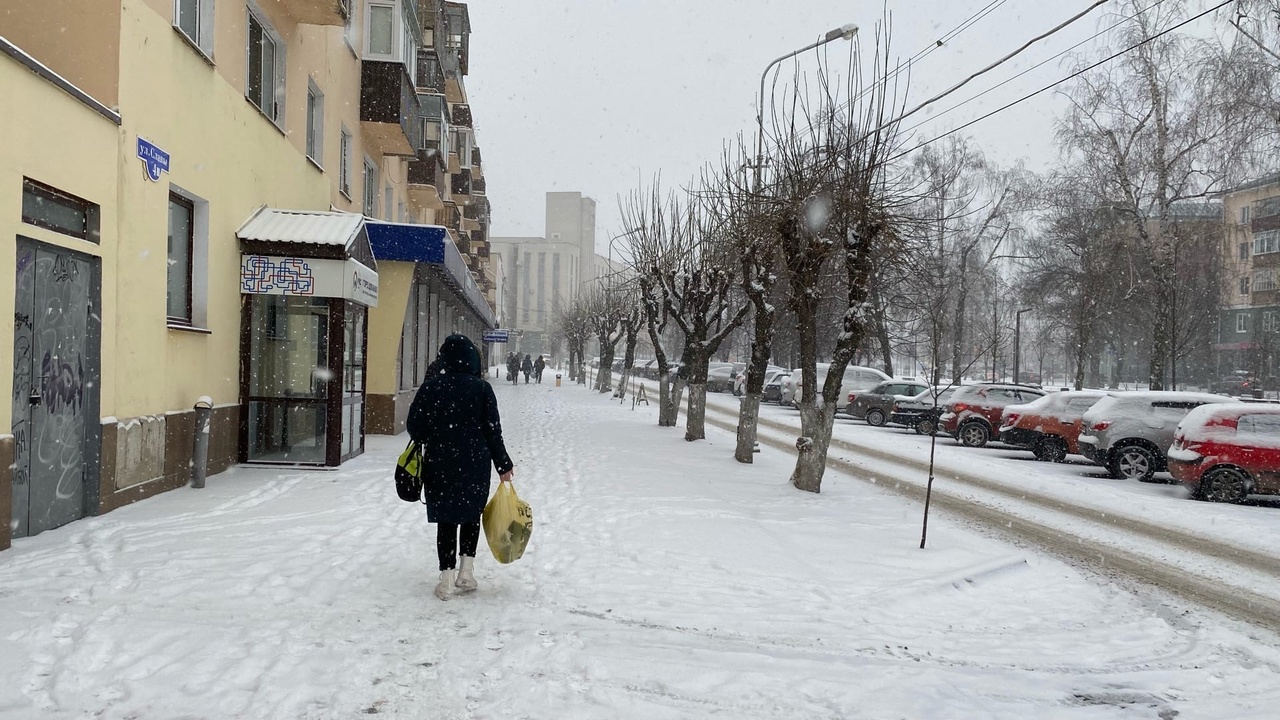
[
  {"x": 927, "y": 50},
  {"x": 1072, "y": 76},
  {"x": 1069, "y": 21},
  {"x": 1039, "y": 65}
]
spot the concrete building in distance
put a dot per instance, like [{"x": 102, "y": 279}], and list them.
[
  {"x": 273, "y": 208},
  {"x": 545, "y": 274},
  {"x": 1249, "y": 324}
]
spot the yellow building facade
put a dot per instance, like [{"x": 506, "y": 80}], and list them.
[{"x": 189, "y": 193}]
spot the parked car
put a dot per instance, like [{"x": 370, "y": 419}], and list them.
[
  {"x": 856, "y": 379},
  {"x": 973, "y": 415},
  {"x": 740, "y": 379},
  {"x": 922, "y": 411},
  {"x": 787, "y": 391},
  {"x": 773, "y": 387},
  {"x": 876, "y": 405},
  {"x": 1237, "y": 384},
  {"x": 720, "y": 376},
  {"x": 1049, "y": 427},
  {"x": 1225, "y": 452},
  {"x": 1128, "y": 433}
]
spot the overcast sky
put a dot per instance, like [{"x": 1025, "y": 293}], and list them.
[{"x": 593, "y": 95}]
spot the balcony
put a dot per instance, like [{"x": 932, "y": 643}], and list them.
[
  {"x": 319, "y": 12},
  {"x": 426, "y": 179},
  {"x": 462, "y": 182},
  {"x": 475, "y": 156},
  {"x": 477, "y": 186},
  {"x": 461, "y": 115},
  {"x": 388, "y": 109},
  {"x": 430, "y": 73}
]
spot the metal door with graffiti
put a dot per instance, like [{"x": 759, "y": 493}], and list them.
[{"x": 54, "y": 385}]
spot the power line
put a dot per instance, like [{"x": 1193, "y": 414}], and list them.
[
  {"x": 1072, "y": 76},
  {"x": 1038, "y": 65},
  {"x": 928, "y": 49}
]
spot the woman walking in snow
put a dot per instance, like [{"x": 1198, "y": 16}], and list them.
[
  {"x": 538, "y": 366},
  {"x": 455, "y": 417},
  {"x": 527, "y": 368}
]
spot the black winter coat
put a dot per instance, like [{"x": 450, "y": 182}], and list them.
[{"x": 455, "y": 417}]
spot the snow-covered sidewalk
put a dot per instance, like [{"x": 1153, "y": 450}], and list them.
[{"x": 664, "y": 580}]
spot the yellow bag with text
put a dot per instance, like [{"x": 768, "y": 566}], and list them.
[{"x": 508, "y": 523}]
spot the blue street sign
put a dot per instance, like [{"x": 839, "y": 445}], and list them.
[
  {"x": 153, "y": 159},
  {"x": 496, "y": 336}
]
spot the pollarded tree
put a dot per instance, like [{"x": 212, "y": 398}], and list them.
[{"x": 605, "y": 309}]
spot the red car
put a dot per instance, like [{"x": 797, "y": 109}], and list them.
[
  {"x": 1050, "y": 426},
  {"x": 973, "y": 417},
  {"x": 1225, "y": 452}
]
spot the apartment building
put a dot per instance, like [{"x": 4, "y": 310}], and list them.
[
  {"x": 223, "y": 202},
  {"x": 1249, "y": 327}
]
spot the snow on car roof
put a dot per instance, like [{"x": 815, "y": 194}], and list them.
[
  {"x": 1168, "y": 396},
  {"x": 1205, "y": 414}
]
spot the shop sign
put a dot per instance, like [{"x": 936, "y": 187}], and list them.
[{"x": 308, "y": 277}]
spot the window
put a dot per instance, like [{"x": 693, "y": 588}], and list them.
[
  {"x": 1244, "y": 215},
  {"x": 187, "y": 288},
  {"x": 182, "y": 220},
  {"x": 1244, "y": 251},
  {"x": 370, "y": 206},
  {"x": 265, "y": 84},
  {"x": 1244, "y": 285},
  {"x": 61, "y": 212},
  {"x": 1266, "y": 242},
  {"x": 194, "y": 19},
  {"x": 381, "y": 29},
  {"x": 1267, "y": 425},
  {"x": 1242, "y": 322},
  {"x": 1264, "y": 280},
  {"x": 344, "y": 162},
  {"x": 1269, "y": 322},
  {"x": 315, "y": 122}
]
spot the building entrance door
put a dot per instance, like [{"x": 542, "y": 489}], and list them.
[{"x": 55, "y": 385}]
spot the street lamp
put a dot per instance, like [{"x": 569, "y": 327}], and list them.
[
  {"x": 1017, "y": 343},
  {"x": 612, "y": 240},
  {"x": 844, "y": 32}
]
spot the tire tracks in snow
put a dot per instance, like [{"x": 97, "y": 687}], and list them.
[{"x": 1233, "y": 600}]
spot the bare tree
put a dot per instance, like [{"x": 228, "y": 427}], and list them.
[
  {"x": 632, "y": 320},
  {"x": 1167, "y": 122},
  {"x": 605, "y": 309},
  {"x": 573, "y": 324}
]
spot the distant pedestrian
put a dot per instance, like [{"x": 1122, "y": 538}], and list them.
[
  {"x": 513, "y": 368},
  {"x": 527, "y": 368},
  {"x": 455, "y": 417},
  {"x": 538, "y": 366}
]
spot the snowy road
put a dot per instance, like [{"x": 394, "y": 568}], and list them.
[
  {"x": 664, "y": 580},
  {"x": 1166, "y": 540}
]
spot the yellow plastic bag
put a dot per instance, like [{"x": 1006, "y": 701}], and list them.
[{"x": 508, "y": 523}]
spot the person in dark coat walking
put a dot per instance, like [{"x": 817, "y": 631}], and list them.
[
  {"x": 455, "y": 417},
  {"x": 538, "y": 366},
  {"x": 527, "y": 368},
  {"x": 513, "y": 368}
]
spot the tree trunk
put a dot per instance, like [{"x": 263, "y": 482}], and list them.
[
  {"x": 748, "y": 421},
  {"x": 666, "y": 402},
  {"x": 882, "y": 330},
  {"x": 1161, "y": 340},
  {"x": 695, "y": 422},
  {"x": 628, "y": 359},
  {"x": 957, "y": 339},
  {"x": 761, "y": 347},
  {"x": 604, "y": 379},
  {"x": 811, "y": 459}
]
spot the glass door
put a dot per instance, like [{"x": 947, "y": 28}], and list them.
[
  {"x": 353, "y": 380},
  {"x": 288, "y": 379}
]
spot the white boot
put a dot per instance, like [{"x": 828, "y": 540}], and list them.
[
  {"x": 466, "y": 574},
  {"x": 445, "y": 587}
]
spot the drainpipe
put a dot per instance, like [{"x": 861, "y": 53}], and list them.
[{"x": 200, "y": 452}]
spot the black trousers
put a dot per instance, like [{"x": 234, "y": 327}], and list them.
[{"x": 447, "y": 542}]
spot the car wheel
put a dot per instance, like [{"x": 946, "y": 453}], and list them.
[
  {"x": 926, "y": 426},
  {"x": 1224, "y": 485},
  {"x": 1050, "y": 449},
  {"x": 974, "y": 434},
  {"x": 1132, "y": 462},
  {"x": 876, "y": 418}
]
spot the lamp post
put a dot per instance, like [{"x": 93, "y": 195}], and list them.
[
  {"x": 613, "y": 240},
  {"x": 1017, "y": 343},
  {"x": 844, "y": 32}
]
